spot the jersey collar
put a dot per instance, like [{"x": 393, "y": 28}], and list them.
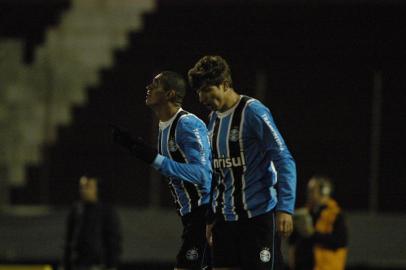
[
  {"x": 163, "y": 125},
  {"x": 229, "y": 111}
]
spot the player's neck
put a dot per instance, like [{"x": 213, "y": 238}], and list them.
[
  {"x": 164, "y": 113},
  {"x": 230, "y": 101}
]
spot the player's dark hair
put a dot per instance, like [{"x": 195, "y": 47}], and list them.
[
  {"x": 209, "y": 71},
  {"x": 171, "y": 80}
]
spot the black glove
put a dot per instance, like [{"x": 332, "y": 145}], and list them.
[
  {"x": 136, "y": 146},
  {"x": 122, "y": 137},
  {"x": 144, "y": 151}
]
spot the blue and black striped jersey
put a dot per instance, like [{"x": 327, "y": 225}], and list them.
[
  {"x": 254, "y": 169},
  {"x": 185, "y": 158}
]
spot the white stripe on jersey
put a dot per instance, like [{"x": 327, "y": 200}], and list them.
[
  {"x": 177, "y": 198},
  {"x": 275, "y": 172},
  {"x": 244, "y": 200},
  {"x": 169, "y": 153},
  {"x": 221, "y": 170},
  {"x": 230, "y": 169},
  {"x": 273, "y": 131},
  {"x": 187, "y": 195}
]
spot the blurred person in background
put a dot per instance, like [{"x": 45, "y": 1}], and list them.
[
  {"x": 184, "y": 156},
  {"x": 93, "y": 238},
  {"x": 319, "y": 240},
  {"x": 254, "y": 187}
]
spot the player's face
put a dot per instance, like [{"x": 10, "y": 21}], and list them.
[
  {"x": 212, "y": 97},
  {"x": 155, "y": 93}
]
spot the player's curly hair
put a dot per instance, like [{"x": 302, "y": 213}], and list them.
[{"x": 209, "y": 70}]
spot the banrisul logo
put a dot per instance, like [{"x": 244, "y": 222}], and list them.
[{"x": 230, "y": 162}]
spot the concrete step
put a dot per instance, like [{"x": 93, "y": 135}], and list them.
[{"x": 37, "y": 99}]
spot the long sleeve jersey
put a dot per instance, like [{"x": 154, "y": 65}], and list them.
[
  {"x": 185, "y": 158},
  {"x": 256, "y": 172}
]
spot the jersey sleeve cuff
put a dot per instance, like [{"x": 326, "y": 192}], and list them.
[
  {"x": 158, "y": 162},
  {"x": 288, "y": 211}
]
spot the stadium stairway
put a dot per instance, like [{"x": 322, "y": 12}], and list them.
[
  {"x": 39, "y": 96},
  {"x": 23, "y": 26}
]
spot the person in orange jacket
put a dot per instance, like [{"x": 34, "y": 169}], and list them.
[{"x": 320, "y": 238}]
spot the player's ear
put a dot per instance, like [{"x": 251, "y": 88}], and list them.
[
  {"x": 170, "y": 94},
  {"x": 226, "y": 85}
]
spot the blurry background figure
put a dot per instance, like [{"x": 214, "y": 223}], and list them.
[
  {"x": 319, "y": 240},
  {"x": 93, "y": 239}
]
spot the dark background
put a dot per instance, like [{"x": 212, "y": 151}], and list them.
[{"x": 319, "y": 59}]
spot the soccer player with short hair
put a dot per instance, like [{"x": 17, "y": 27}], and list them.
[
  {"x": 184, "y": 156},
  {"x": 255, "y": 174}
]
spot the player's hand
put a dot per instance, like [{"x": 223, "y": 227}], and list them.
[
  {"x": 136, "y": 146},
  {"x": 284, "y": 223},
  {"x": 144, "y": 151},
  {"x": 209, "y": 234},
  {"x": 122, "y": 137}
]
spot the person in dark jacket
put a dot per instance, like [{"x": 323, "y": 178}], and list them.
[{"x": 93, "y": 238}]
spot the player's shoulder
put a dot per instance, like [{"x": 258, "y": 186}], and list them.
[
  {"x": 254, "y": 106},
  {"x": 188, "y": 120}
]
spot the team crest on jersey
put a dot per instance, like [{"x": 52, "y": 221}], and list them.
[
  {"x": 192, "y": 254},
  {"x": 265, "y": 255},
  {"x": 234, "y": 134},
  {"x": 172, "y": 145}
]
